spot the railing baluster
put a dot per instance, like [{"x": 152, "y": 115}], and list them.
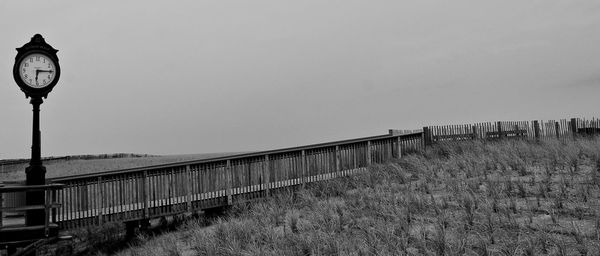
[
  {"x": 266, "y": 173},
  {"x": 228, "y": 181},
  {"x": 102, "y": 199},
  {"x": 186, "y": 184},
  {"x": 115, "y": 199},
  {"x": 304, "y": 171},
  {"x": 1, "y": 206},
  {"x": 368, "y": 153},
  {"x": 338, "y": 167},
  {"x": 46, "y": 212},
  {"x": 172, "y": 189}
]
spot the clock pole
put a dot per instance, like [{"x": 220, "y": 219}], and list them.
[
  {"x": 32, "y": 58},
  {"x": 36, "y": 172}
]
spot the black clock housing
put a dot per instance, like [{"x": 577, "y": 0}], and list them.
[{"x": 36, "y": 45}]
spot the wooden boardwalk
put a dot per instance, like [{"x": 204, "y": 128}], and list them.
[{"x": 156, "y": 191}]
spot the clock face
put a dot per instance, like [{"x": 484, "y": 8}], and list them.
[{"x": 37, "y": 70}]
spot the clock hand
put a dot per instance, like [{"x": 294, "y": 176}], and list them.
[
  {"x": 43, "y": 71},
  {"x": 37, "y": 71}
]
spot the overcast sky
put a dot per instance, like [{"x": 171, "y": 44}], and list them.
[{"x": 173, "y": 77}]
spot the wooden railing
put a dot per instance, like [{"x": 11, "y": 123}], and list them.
[
  {"x": 155, "y": 191},
  {"x": 14, "y": 232},
  {"x": 149, "y": 192}
]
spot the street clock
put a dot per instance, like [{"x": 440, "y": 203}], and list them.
[
  {"x": 36, "y": 68},
  {"x": 36, "y": 72}
]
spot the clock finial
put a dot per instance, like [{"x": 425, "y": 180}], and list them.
[{"x": 37, "y": 38}]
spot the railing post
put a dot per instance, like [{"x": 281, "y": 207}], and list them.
[
  {"x": 368, "y": 153},
  {"x": 145, "y": 194},
  {"x": 338, "y": 166},
  {"x": 427, "y": 140},
  {"x": 228, "y": 190},
  {"x": 399, "y": 146},
  {"x": 266, "y": 174},
  {"x": 574, "y": 127},
  {"x": 172, "y": 190},
  {"x": 46, "y": 212},
  {"x": 536, "y": 130},
  {"x": 53, "y": 209},
  {"x": 102, "y": 201},
  {"x": 83, "y": 196},
  {"x": 304, "y": 169},
  {"x": 474, "y": 131},
  {"x": 557, "y": 129},
  {"x": 188, "y": 195},
  {"x": 1, "y": 206},
  {"x": 395, "y": 145},
  {"x": 499, "y": 126}
]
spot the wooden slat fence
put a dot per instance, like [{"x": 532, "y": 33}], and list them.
[
  {"x": 532, "y": 130},
  {"x": 144, "y": 193}
]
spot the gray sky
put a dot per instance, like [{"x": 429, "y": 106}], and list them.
[{"x": 171, "y": 77}]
